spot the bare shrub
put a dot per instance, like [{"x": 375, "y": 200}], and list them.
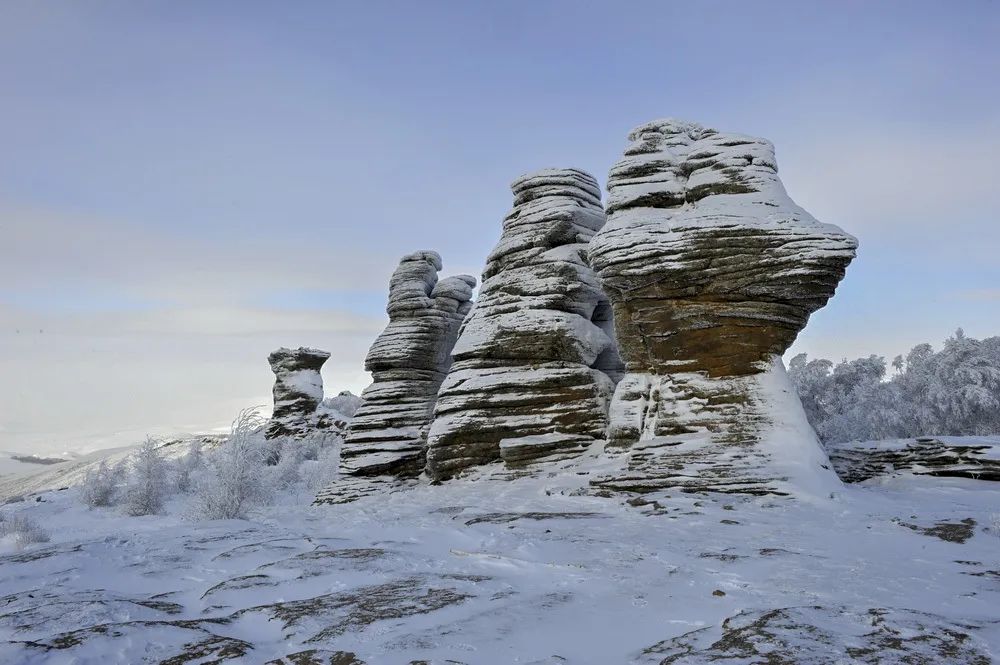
[
  {"x": 233, "y": 480},
  {"x": 23, "y": 530},
  {"x": 317, "y": 474},
  {"x": 99, "y": 486},
  {"x": 186, "y": 467},
  {"x": 146, "y": 484}
]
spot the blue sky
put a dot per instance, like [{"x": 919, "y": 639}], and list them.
[{"x": 186, "y": 185}]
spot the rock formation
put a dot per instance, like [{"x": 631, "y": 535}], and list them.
[
  {"x": 298, "y": 391},
  {"x": 408, "y": 361},
  {"x": 535, "y": 362},
  {"x": 964, "y": 457},
  {"x": 712, "y": 271}
]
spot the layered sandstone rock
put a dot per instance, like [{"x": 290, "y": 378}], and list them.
[
  {"x": 712, "y": 271},
  {"x": 965, "y": 457},
  {"x": 298, "y": 391},
  {"x": 408, "y": 361},
  {"x": 535, "y": 362}
]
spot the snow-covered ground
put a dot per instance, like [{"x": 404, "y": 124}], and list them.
[{"x": 532, "y": 570}]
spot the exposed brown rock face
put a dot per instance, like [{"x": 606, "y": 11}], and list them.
[
  {"x": 298, "y": 391},
  {"x": 712, "y": 271},
  {"x": 535, "y": 362},
  {"x": 408, "y": 361}
]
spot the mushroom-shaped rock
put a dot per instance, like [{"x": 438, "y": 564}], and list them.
[
  {"x": 408, "y": 361},
  {"x": 712, "y": 271},
  {"x": 535, "y": 362},
  {"x": 298, "y": 391}
]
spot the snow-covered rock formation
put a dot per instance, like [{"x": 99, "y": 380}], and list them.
[
  {"x": 408, "y": 361},
  {"x": 298, "y": 391},
  {"x": 712, "y": 270},
  {"x": 535, "y": 362},
  {"x": 956, "y": 456}
]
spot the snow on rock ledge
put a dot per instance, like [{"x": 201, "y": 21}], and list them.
[
  {"x": 298, "y": 391},
  {"x": 959, "y": 456},
  {"x": 712, "y": 271},
  {"x": 740, "y": 434},
  {"x": 535, "y": 362},
  {"x": 408, "y": 361}
]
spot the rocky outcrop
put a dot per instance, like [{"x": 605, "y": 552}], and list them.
[
  {"x": 535, "y": 362},
  {"x": 298, "y": 391},
  {"x": 712, "y": 271},
  {"x": 964, "y": 457},
  {"x": 408, "y": 361}
]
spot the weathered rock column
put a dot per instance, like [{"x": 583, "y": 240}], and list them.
[
  {"x": 712, "y": 271},
  {"x": 535, "y": 362},
  {"x": 298, "y": 391},
  {"x": 408, "y": 361}
]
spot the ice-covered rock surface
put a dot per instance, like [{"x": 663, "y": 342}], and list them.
[
  {"x": 298, "y": 392},
  {"x": 530, "y": 570},
  {"x": 712, "y": 271},
  {"x": 408, "y": 361},
  {"x": 535, "y": 361},
  {"x": 964, "y": 456}
]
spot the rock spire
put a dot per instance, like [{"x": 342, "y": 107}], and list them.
[
  {"x": 712, "y": 271},
  {"x": 298, "y": 391},
  {"x": 408, "y": 361},
  {"x": 535, "y": 362}
]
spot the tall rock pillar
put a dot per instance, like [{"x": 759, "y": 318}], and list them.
[
  {"x": 535, "y": 362},
  {"x": 408, "y": 361},
  {"x": 712, "y": 271},
  {"x": 298, "y": 391}
]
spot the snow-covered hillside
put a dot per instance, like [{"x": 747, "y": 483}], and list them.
[
  {"x": 530, "y": 570},
  {"x": 26, "y": 480}
]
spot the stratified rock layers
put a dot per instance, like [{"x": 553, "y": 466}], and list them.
[
  {"x": 408, "y": 362},
  {"x": 712, "y": 271},
  {"x": 535, "y": 362},
  {"x": 298, "y": 391},
  {"x": 962, "y": 457}
]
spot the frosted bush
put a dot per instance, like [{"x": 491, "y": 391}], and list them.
[
  {"x": 234, "y": 479},
  {"x": 186, "y": 467},
  {"x": 286, "y": 472},
  {"x": 22, "y": 530},
  {"x": 146, "y": 484},
  {"x": 298, "y": 458},
  {"x": 99, "y": 486},
  {"x": 317, "y": 474}
]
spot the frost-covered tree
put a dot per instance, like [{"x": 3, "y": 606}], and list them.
[
  {"x": 234, "y": 479},
  {"x": 953, "y": 391},
  {"x": 99, "y": 485},
  {"x": 146, "y": 484},
  {"x": 187, "y": 466}
]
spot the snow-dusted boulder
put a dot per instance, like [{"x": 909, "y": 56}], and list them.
[
  {"x": 535, "y": 362},
  {"x": 712, "y": 271},
  {"x": 298, "y": 391},
  {"x": 408, "y": 361}
]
